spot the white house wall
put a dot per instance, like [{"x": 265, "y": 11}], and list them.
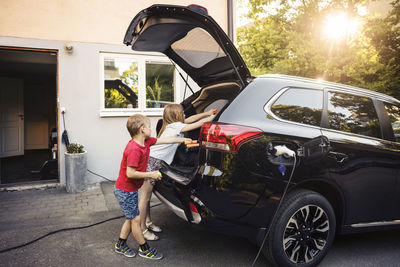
[
  {"x": 91, "y": 21},
  {"x": 90, "y": 27},
  {"x": 79, "y": 88}
]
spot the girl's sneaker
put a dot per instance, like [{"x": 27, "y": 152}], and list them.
[
  {"x": 151, "y": 254},
  {"x": 125, "y": 250}
]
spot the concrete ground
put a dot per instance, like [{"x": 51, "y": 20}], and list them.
[{"x": 29, "y": 214}]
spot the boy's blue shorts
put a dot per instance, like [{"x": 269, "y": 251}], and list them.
[{"x": 128, "y": 202}]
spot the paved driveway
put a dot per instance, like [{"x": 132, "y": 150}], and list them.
[{"x": 181, "y": 243}]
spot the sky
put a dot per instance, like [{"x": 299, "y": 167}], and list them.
[
  {"x": 241, "y": 10},
  {"x": 380, "y": 6}
]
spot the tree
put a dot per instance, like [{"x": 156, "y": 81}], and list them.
[
  {"x": 385, "y": 36},
  {"x": 113, "y": 98},
  {"x": 159, "y": 84},
  {"x": 287, "y": 38},
  {"x": 153, "y": 93}
]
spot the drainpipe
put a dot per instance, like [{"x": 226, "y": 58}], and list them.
[{"x": 230, "y": 20}]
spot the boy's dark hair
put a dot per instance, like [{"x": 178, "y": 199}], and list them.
[{"x": 135, "y": 122}]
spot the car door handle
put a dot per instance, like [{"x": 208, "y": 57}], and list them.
[{"x": 340, "y": 157}]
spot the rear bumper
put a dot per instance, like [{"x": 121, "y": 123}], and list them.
[
  {"x": 182, "y": 200},
  {"x": 177, "y": 210},
  {"x": 176, "y": 195}
]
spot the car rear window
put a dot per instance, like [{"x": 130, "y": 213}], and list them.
[
  {"x": 353, "y": 114},
  {"x": 299, "y": 105},
  {"x": 198, "y": 48}
]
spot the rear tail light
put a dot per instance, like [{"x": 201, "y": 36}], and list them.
[
  {"x": 226, "y": 137},
  {"x": 193, "y": 207}
]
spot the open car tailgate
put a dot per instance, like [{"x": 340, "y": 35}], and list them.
[{"x": 192, "y": 39}]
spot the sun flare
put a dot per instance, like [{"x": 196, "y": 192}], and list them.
[{"x": 339, "y": 26}]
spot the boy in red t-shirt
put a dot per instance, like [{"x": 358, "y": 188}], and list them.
[{"x": 130, "y": 179}]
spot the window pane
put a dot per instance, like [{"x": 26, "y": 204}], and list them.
[
  {"x": 300, "y": 105},
  {"x": 159, "y": 85},
  {"x": 394, "y": 117},
  {"x": 198, "y": 48},
  {"x": 120, "y": 83},
  {"x": 354, "y": 114}
]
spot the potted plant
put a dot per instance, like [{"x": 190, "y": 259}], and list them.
[{"x": 75, "y": 168}]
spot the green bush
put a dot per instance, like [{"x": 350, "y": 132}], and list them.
[{"x": 75, "y": 148}]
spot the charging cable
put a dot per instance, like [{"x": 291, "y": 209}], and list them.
[
  {"x": 282, "y": 150},
  {"x": 57, "y": 231},
  {"x": 277, "y": 151},
  {"x": 100, "y": 176},
  {"x": 71, "y": 228},
  {"x": 64, "y": 135},
  {"x": 66, "y": 229}
]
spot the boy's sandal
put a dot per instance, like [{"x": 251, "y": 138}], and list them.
[
  {"x": 149, "y": 235},
  {"x": 153, "y": 227}
]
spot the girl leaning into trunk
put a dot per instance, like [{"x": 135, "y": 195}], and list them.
[{"x": 174, "y": 124}]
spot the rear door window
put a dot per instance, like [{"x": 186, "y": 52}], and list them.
[
  {"x": 198, "y": 48},
  {"x": 393, "y": 112},
  {"x": 353, "y": 114},
  {"x": 300, "y": 105}
]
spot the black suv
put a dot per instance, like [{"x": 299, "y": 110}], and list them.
[{"x": 287, "y": 161}]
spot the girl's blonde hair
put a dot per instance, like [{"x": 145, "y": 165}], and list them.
[{"x": 172, "y": 113}]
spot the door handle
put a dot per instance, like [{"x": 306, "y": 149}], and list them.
[
  {"x": 21, "y": 117},
  {"x": 340, "y": 157}
]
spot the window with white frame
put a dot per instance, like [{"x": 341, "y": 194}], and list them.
[{"x": 136, "y": 83}]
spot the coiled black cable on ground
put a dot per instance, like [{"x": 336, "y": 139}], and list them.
[
  {"x": 100, "y": 176},
  {"x": 64, "y": 230},
  {"x": 57, "y": 231},
  {"x": 71, "y": 228}
]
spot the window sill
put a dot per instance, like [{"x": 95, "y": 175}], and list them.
[{"x": 127, "y": 113}]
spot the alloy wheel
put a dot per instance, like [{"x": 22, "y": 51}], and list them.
[{"x": 306, "y": 234}]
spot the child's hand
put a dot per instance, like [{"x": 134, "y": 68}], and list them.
[
  {"x": 155, "y": 175},
  {"x": 187, "y": 140},
  {"x": 190, "y": 141},
  {"x": 211, "y": 112}
]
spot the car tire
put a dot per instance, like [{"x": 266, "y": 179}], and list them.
[{"x": 303, "y": 230}]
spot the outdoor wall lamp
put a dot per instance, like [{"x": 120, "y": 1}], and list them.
[{"x": 68, "y": 48}]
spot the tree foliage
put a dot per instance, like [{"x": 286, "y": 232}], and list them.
[
  {"x": 159, "y": 85},
  {"x": 113, "y": 98},
  {"x": 385, "y": 37},
  {"x": 287, "y": 38}
]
